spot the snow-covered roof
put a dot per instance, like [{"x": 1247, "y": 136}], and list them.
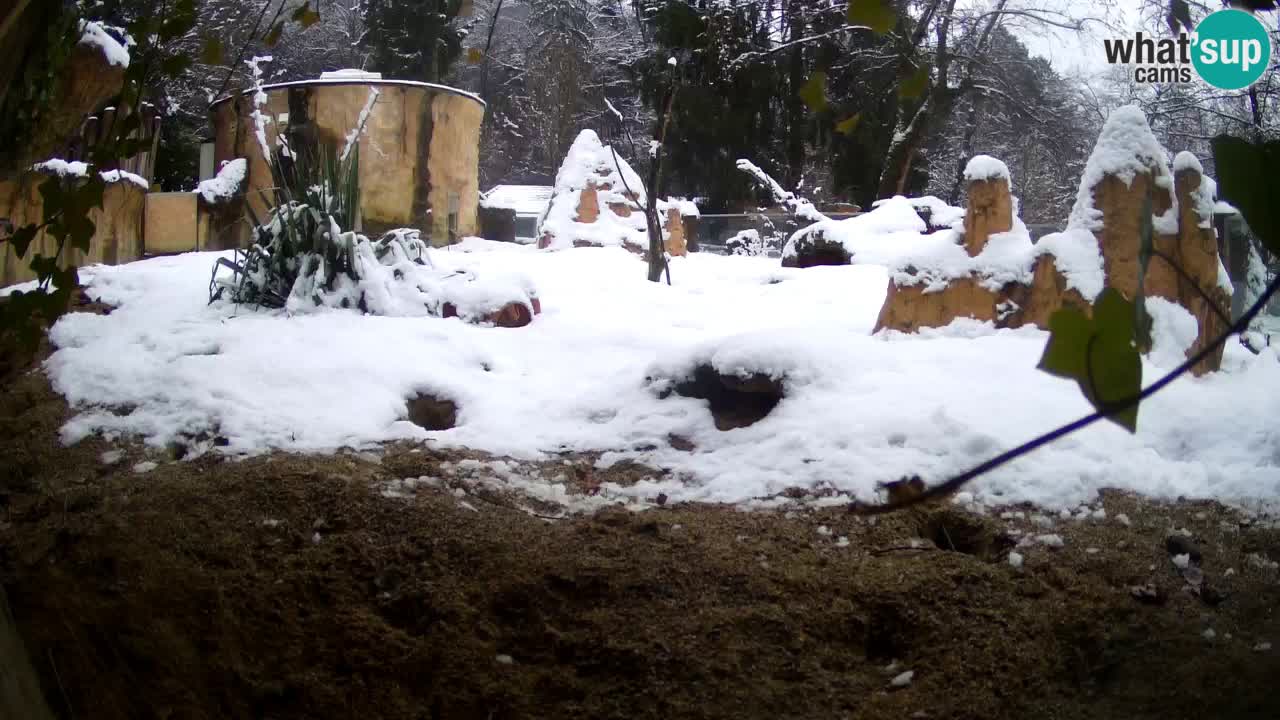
[
  {"x": 350, "y": 74},
  {"x": 524, "y": 199}
]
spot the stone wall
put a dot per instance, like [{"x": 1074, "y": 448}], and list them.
[
  {"x": 419, "y": 154},
  {"x": 117, "y": 238}
]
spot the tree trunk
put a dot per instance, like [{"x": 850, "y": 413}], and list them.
[
  {"x": 966, "y": 152},
  {"x": 906, "y": 140},
  {"x": 657, "y": 248},
  {"x": 796, "y": 119}
]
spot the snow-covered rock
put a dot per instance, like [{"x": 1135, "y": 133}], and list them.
[
  {"x": 95, "y": 35},
  {"x": 226, "y": 184},
  {"x": 598, "y": 200}
]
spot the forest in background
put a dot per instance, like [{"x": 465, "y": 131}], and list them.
[{"x": 829, "y": 108}]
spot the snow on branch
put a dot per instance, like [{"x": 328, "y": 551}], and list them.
[
  {"x": 353, "y": 137},
  {"x": 259, "y": 102},
  {"x": 800, "y": 207}
]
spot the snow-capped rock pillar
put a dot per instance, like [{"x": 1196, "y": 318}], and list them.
[
  {"x": 1197, "y": 254},
  {"x": 990, "y": 204},
  {"x": 1126, "y": 167}
]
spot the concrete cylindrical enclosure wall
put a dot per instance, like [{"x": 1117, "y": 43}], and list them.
[{"x": 419, "y": 154}]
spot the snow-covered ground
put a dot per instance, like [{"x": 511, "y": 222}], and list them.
[{"x": 860, "y": 409}]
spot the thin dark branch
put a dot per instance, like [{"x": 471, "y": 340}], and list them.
[
  {"x": 484, "y": 70},
  {"x": 231, "y": 69},
  {"x": 1213, "y": 305},
  {"x": 954, "y": 484}
]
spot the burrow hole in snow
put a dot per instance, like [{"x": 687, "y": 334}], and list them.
[{"x": 432, "y": 413}]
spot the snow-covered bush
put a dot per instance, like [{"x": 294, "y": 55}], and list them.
[
  {"x": 302, "y": 259},
  {"x": 747, "y": 243}
]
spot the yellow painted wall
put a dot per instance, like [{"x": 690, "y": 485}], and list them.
[
  {"x": 174, "y": 224},
  {"x": 409, "y": 124},
  {"x": 117, "y": 239}
]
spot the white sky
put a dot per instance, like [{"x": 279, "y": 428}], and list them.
[{"x": 1080, "y": 52}]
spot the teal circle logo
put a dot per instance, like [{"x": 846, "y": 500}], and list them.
[{"x": 1231, "y": 49}]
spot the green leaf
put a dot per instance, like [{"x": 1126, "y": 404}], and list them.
[
  {"x": 80, "y": 230},
  {"x": 1244, "y": 179},
  {"x": 875, "y": 14},
  {"x": 1116, "y": 375},
  {"x": 814, "y": 92},
  {"x": 212, "y": 51},
  {"x": 44, "y": 267},
  {"x": 52, "y": 196},
  {"x": 848, "y": 125},
  {"x": 1099, "y": 354},
  {"x": 305, "y": 16},
  {"x": 1113, "y": 316},
  {"x": 273, "y": 36},
  {"x": 1065, "y": 355},
  {"x": 90, "y": 194},
  {"x": 913, "y": 85},
  {"x": 22, "y": 238}
]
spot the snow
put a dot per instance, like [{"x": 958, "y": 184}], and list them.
[
  {"x": 114, "y": 176},
  {"x": 524, "y": 199},
  {"x": 1052, "y": 540},
  {"x": 1182, "y": 562},
  {"x": 62, "y": 168},
  {"x": 902, "y": 680},
  {"x": 1187, "y": 161},
  {"x": 985, "y": 167},
  {"x": 893, "y": 234},
  {"x": 590, "y": 163},
  {"x": 1015, "y": 560},
  {"x": 1125, "y": 148},
  {"x": 586, "y": 376},
  {"x": 77, "y": 169},
  {"x": 941, "y": 215},
  {"x": 350, "y": 74},
  {"x": 226, "y": 184},
  {"x": 1173, "y": 331},
  {"x": 876, "y": 237},
  {"x": 260, "y": 101},
  {"x": 687, "y": 207},
  {"x": 94, "y": 34}
]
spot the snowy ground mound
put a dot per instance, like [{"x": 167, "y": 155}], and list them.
[{"x": 859, "y": 409}]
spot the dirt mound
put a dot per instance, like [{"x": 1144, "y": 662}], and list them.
[{"x": 296, "y": 587}]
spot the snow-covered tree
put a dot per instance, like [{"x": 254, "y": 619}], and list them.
[{"x": 414, "y": 39}]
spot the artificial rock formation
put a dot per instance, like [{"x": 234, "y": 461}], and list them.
[
  {"x": 599, "y": 201},
  {"x": 1187, "y": 240},
  {"x": 910, "y": 306},
  {"x": 1127, "y": 169},
  {"x": 989, "y": 211}
]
